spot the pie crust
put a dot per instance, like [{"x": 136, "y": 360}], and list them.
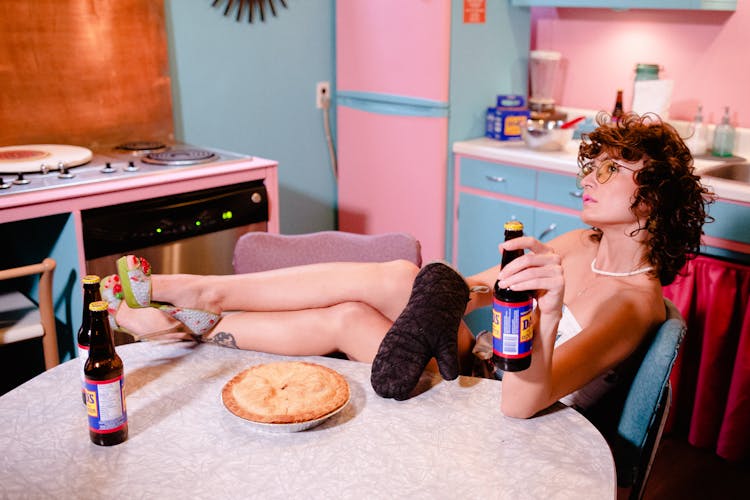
[{"x": 285, "y": 392}]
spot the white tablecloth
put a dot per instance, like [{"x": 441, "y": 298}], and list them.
[{"x": 450, "y": 441}]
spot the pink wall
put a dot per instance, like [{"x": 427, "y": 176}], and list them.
[{"x": 707, "y": 54}]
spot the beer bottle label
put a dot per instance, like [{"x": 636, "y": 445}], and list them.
[
  {"x": 83, "y": 356},
  {"x": 512, "y": 331},
  {"x": 105, "y": 403}
]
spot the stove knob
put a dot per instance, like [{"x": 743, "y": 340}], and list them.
[
  {"x": 20, "y": 181},
  {"x": 108, "y": 169},
  {"x": 3, "y": 184},
  {"x": 132, "y": 167},
  {"x": 63, "y": 172},
  {"x": 44, "y": 168},
  {"x": 256, "y": 197}
]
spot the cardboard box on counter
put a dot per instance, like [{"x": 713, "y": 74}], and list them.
[{"x": 506, "y": 120}]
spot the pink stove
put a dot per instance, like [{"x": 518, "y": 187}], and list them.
[{"x": 30, "y": 168}]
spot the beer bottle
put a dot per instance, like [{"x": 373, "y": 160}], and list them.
[
  {"x": 512, "y": 329},
  {"x": 617, "y": 112},
  {"x": 105, "y": 399},
  {"x": 91, "y": 294}
]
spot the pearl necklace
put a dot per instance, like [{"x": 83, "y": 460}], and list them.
[{"x": 619, "y": 275}]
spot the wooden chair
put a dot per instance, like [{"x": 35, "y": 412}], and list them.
[{"x": 22, "y": 319}]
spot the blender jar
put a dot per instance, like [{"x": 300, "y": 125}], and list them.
[{"x": 543, "y": 65}]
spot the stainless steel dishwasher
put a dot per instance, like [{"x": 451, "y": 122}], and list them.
[{"x": 191, "y": 232}]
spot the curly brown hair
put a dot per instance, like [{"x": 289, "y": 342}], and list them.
[{"x": 675, "y": 199}]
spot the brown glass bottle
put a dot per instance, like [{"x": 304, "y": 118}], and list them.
[
  {"x": 105, "y": 399},
  {"x": 512, "y": 329},
  {"x": 91, "y": 293},
  {"x": 617, "y": 112}
]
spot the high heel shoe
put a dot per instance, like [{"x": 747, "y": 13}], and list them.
[
  {"x": 198, "y": 322},
  {"x": 111, "y": 290},
  {"x": 135, "y": 277}
]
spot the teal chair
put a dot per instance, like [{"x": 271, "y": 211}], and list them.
[
  {"x": 632, "y": 416},
  {"x": 644, "y": 407}
]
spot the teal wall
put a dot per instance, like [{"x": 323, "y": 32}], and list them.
[
  {"x": 486, "y": 59},
  {"x": 250, "y": 88}
]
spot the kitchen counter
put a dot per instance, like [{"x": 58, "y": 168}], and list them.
[{"x": 516, "y": 153}]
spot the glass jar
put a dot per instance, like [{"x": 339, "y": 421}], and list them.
[{"x": 646, "y": 72}]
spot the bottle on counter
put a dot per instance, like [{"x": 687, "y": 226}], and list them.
[
  {"x": 723, "y": 144},
  {"x": 512, "y": 330},
  {"x": 104, "y": 379},
  {"x": 617, "y": 112},
  {"x": 91, "y": 293},
  {"x": 696, "y": 142}
]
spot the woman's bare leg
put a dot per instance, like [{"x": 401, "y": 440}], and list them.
[
  {"x": 383, "y": 286},
  {"x": 353, "y": 328}
]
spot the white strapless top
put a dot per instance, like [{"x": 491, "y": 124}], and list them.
[
  {"x": 590, "y": 393},
  {"x": 567, "y": 329}
]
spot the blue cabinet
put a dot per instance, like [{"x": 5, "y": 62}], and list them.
[
  {"x": 730, "y": 5},
  {"x": 480, "y": 229},
  {"x": 491, "y": 193},
  {"x": 728, "y": 236}
]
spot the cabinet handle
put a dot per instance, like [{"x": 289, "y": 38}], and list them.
[
  {"x": 493, "y": 178},
  {"x": 544, "y": 234},
  {"x": 577, "y": 193}
]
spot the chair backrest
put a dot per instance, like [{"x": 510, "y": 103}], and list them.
[
  {"x": 261, "y": 251},
  {"x": 646, "y": 405},
  {"x": 21, "y": 319}
]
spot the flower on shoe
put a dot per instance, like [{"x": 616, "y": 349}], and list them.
[{"x": 145, "y": 266}]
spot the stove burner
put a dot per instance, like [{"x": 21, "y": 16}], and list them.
[
  {"x": 180, "y": 157},
  {"x": 142, "y": 146}
]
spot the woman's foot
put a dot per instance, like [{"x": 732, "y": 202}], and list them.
[
  {"x": 135, "y": 277},
  {"x": 426, "y": 328},
  {"x": 139, "y": 323}
]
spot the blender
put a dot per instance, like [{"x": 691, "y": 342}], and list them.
[{"x": 543, "y": 66}]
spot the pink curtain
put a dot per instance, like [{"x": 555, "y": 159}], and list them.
[{"x": 711, "y": 376}]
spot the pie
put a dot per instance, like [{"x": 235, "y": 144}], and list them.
[{"x": 285, "y": 392}]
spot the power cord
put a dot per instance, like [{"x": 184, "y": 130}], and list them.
[{"x": 326, "y": 103}]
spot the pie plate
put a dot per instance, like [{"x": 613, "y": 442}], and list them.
[
  {"x": 292, "y": 427},
  {"x": 274, "y": 377}
]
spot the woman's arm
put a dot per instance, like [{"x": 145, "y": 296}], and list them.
[{"x": 621, "y": 323}]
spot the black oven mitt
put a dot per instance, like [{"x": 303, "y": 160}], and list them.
[{"x": 426, "y": 328}]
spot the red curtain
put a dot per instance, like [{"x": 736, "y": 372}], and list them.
[{"x": 711, "y": 376}]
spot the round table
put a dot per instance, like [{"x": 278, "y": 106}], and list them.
[{"x": 449, "y": 440}]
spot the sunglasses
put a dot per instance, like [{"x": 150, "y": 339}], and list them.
[{"x": 604, "y": 171}]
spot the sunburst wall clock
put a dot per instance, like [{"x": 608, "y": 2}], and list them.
[{"x": 251, "y": 9}]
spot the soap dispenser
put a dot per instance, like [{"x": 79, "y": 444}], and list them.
[
  {"x": 723, "y": 137},
  {"x": 696, "y": 142}
]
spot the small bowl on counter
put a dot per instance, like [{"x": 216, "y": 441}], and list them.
[{"x": 546, "y": 135}]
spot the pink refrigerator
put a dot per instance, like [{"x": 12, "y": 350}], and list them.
[{"x": 392, "y": 79}]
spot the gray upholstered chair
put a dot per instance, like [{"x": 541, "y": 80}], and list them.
[
  {"x": 260, "y": 251},
  {"x": 23, "y": 319},
  {"x": 632, "y": 417}
]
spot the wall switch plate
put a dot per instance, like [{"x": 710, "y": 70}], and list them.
[{"x": 322, "y": 91}]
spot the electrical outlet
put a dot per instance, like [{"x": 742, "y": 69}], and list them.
[{"x": 322, "y": 91}]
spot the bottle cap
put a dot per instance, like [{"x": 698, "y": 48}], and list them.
[
  {"x": 513, "y": 225},
  {"x": 99, "y": 305},
  {"x": 90, "y": 279}
]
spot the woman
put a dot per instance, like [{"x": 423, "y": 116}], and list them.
[{"x": 601, "y": 286}]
